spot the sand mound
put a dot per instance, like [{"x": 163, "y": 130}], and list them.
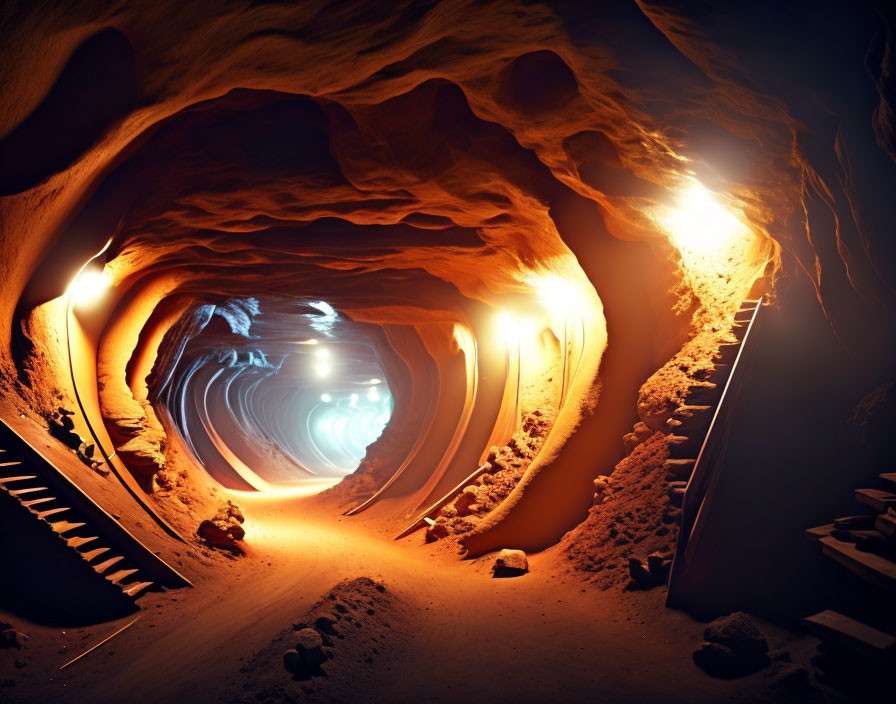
[
  {"x": 364, "y": 628},
  {"x": 629, "y": 521}
]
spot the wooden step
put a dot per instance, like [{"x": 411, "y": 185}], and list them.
[
  {"x": 834, "y": 627},
  {"x": 116, "y": 577},
  {"x": 106, "y": 564},
  {"x": 90, "y": 555},
  {"x": 20, "y": 478},
  {"x": 886, "y": 525},
  {"x": 702, "y": 394},
  {"x": 869, "y": 566},
  {"x": 43, "y": 515},
  {"x": 64, "y": 526},
  {"x": 135, "y": 588},
  {"x": 77, "y": 541},
  {"x": 683, "y": 447},
  {"x": 29, "y": 490},
  {"x": 877, "y": 499},
  {"x": 863, "y": 522},
  {"x": 889, "y": 478},
  {"x": 36, "y": 502},
  {"x": 680, "y": 468},
  {"x": 819, "y": 532}
]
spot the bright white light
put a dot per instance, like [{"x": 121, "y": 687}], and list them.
[
  {"x": 557, "y": 294},
  {"x": 89, "y": 286},
  {"x": 700, "y": 224},
  {"x": 312, "y": 341},
  {"x": 511, "y": 327},
  {"x": 507, "y": 326},
  {"x": 373, "y": 395},
  {"x": 322, "y": 369},
  {"x": 375, "y": 381},
  {"x": 323, "y": 353},
  {"x": 353, "y": 399},
  {"x": 326, "y": 398}
]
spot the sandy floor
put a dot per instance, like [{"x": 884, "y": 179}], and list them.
[{"x": 541, "y": 637}]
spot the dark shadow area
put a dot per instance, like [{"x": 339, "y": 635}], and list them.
[{"x": 97, "y": 87}]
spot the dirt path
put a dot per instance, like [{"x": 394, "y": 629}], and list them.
[{"x": 540, "y": 637}]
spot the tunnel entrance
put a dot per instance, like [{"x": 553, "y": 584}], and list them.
[{"x": 272, "y": 394}]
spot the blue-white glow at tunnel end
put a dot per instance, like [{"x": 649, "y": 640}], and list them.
[{"x": 344, "y": 423}]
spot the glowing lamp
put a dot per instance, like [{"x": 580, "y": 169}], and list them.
[
  {"x": 322, "y": 369},
  {"x": 700, "y": 224},
  {"x": 508, "y": 326},
  {"x": 556, "y": 294},
  {"x": 322, "y": 353},
  {"x": 88, "y": 287},
  {"x": 326, "y": 398}
]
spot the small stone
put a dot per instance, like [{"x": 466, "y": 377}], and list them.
[
  {"x": 463, "y": 502},
  {"x": 435, "y": 532},
  {"x": 640, "y": 574},
  {"x": 310, "y": 648},
  {"x": 11, "y": 638},
  {"x": 642, "y": 432},
  {"x": 658, "y": 564},
  {"x": 510, "y": 563}
]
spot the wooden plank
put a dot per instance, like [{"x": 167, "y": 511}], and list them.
[
  {"x": 889, "y": 478},
  {"x": 871, "y": 567},
  {"x": 834, "y": 627},
  {"x": 816, "y": 534},
  {"x": 877, "y": 499}
]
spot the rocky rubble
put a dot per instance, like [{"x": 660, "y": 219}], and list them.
[
  {"x": 224, "y": 529},
  {"x": 10, "y": 637},
  {"x": 627, "y": 527},
  {"x": 733, "y": 646},
  {"x": 346, "y": 640},
  {"x": 504, "y": 468}
]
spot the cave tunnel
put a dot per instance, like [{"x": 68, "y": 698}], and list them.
[{"x": 426, "y": 351}]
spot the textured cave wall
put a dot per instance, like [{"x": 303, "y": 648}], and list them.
[{"x": 436, "y": 153}]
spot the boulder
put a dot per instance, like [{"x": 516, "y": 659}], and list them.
[
  {"x": 510, "y": 563},
  {"x": 213, "y": 534},
  {"x": 738, "y": 632}
]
